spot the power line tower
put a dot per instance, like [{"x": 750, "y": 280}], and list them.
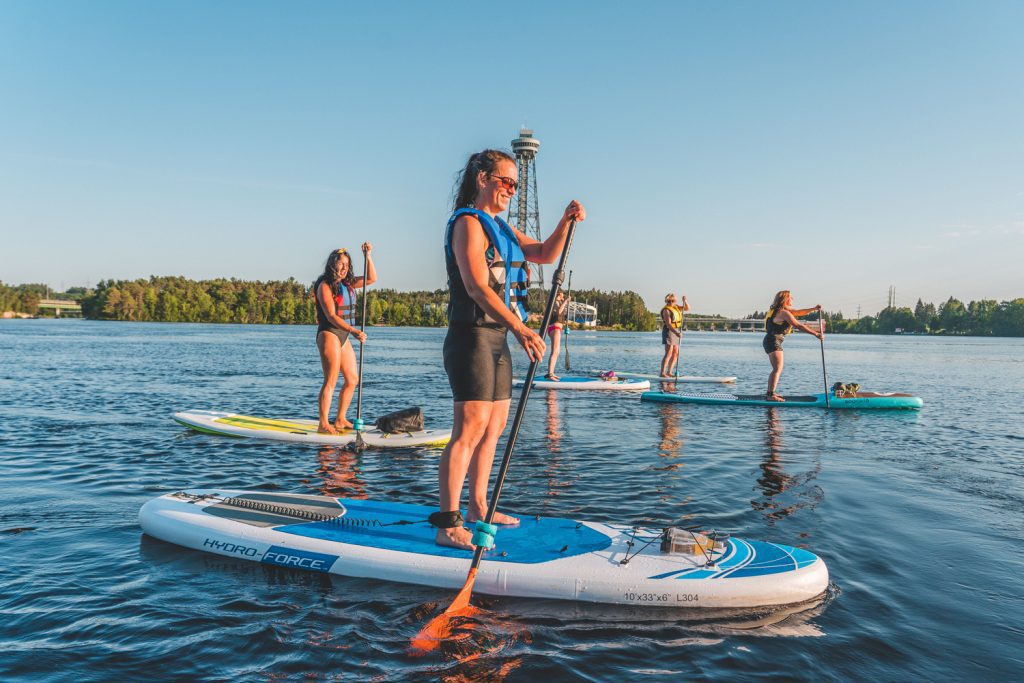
[{"x": 524, "y": 213}]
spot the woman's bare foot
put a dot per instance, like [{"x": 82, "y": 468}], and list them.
[
  {"x": 343, "y": 424},
  {"x": 326, "y": 429},
  {"x": 456, "y": 537},
  {"x": 499, "y": 518},
  {"x": 772, "y": 396}
]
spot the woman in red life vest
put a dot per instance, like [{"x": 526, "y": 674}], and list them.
[{"x": 335, "y": 322}]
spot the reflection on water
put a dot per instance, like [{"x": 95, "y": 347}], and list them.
[
  {"x": 553, "y": 424},
  {"x": 670, "y": 435},
  {"x": 339, "y": 469},
  {"x": 555, "y": 469},
  {"x": 782, "y": 493}
]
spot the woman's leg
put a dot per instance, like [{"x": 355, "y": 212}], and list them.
[
  {"x": 480, "y": 467},
  {"x": 665, "y": 360},
  {"x": 673, "y": 361},
  {"x": 330, "y": 361},
  {"x": 350, "y": 372},
  {"x": 556, "y": 341},
  {"x": 773, "y": 379},
  {"x": 470, "y": 424}
]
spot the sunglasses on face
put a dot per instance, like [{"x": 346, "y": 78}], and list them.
[{"x": 508, "y": 183}]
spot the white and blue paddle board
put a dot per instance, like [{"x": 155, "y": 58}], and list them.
[
  {"x": 590, "y": 384},
  {"x": 298, "y": 430},
  {"x": 683, "y": 379},
  {"x": 542, "y": 557}
]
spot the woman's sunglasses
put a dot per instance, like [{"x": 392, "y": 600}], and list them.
[{"x": 508, "y": 183}]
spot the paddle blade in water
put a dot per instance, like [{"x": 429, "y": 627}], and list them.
[{"x": 440, "y": 627}]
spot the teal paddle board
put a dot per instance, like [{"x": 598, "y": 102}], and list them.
[{"x": 861, "y": 401}]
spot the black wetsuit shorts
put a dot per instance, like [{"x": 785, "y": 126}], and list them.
[
  {"x": 478, "y": 362},
  {"x": 773, "y": 342}
]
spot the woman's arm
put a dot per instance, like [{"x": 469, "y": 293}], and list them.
[
  {"x": 800, "y": 312},
  {"x": 469, "y": 245},
  {"x": 371, "y": 271},
  {"x": 686, "y": 304},
  {"x": 789, "y": 317},
  {"x": 550, "y": 249}
]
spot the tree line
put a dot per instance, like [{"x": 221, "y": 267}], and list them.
[
  {"x": 984, "y": 318},
  {"x": 288, "y": 302},
  {"x": 179, "y": 299}
]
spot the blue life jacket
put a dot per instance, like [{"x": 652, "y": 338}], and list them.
[
  {"x": 344, "y": 304},
  {"x": 509, "y": 273}
]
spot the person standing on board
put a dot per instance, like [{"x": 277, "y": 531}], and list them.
[
  {"x": 555, "y": 332},
  {"x": 779, "y": 322},
  {"x": 335, "y": 293},
  {"x": 488, "y": 278},
  {"x": 671, "y": 333}
]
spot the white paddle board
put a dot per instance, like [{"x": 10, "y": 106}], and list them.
[{"x": 302, "y": 431}]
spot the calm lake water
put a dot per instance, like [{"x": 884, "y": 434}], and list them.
[{"x": 919, "y": 515}]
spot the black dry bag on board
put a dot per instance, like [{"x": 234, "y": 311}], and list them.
[{"x": 408, "y": 420}]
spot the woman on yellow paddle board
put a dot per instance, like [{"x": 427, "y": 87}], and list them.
[{"x": 335, "y": 292}]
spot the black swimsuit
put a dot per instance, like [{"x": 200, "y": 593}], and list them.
[
  {"x": 476, "y": 354},
  {"x": 323, "y": 324}
]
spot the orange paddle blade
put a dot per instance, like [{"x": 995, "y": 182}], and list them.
[{"x": 440, "y": 627}]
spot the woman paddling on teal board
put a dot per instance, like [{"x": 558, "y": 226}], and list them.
[
  {"x": 488, "y": 278},
  {"x": 779, "y": 322},
  {"x": 335, "y": 322}
]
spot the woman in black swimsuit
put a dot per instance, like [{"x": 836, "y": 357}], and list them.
[
  {"x": 779, "y": 322},
  {"x": 481, "y": 312},
  {"x": 335, "y": 292}
]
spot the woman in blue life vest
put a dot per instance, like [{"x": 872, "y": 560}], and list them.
[
  {"x": 335, "y": 293},
  {"x": 488, "y": 279},
  {"x": 779, "y": 322}
]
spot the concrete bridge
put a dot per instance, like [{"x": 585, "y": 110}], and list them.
[
  {"x": 61, "y": 307},
  {"x": 725, "y": 324}
]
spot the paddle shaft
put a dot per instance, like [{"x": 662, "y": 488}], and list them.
[
  {"x": 556, "y": 282},
  {"x": 362, "y": 328},
  {"x": 824, "y": 375},
  {"x": 568, "y": 293}
]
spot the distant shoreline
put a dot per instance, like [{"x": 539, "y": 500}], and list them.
[{"x": 577, "y": 330}]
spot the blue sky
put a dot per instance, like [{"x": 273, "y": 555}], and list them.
[{"x": 723, "y": 150}]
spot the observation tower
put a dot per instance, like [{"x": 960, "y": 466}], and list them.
[{"x": 524, "y": 213}]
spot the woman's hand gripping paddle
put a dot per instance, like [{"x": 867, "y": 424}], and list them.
[
  {"x": 359, "y": 445},
  {"x": 824, "y": 375},
  {"x": 430, "y": 637}
]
